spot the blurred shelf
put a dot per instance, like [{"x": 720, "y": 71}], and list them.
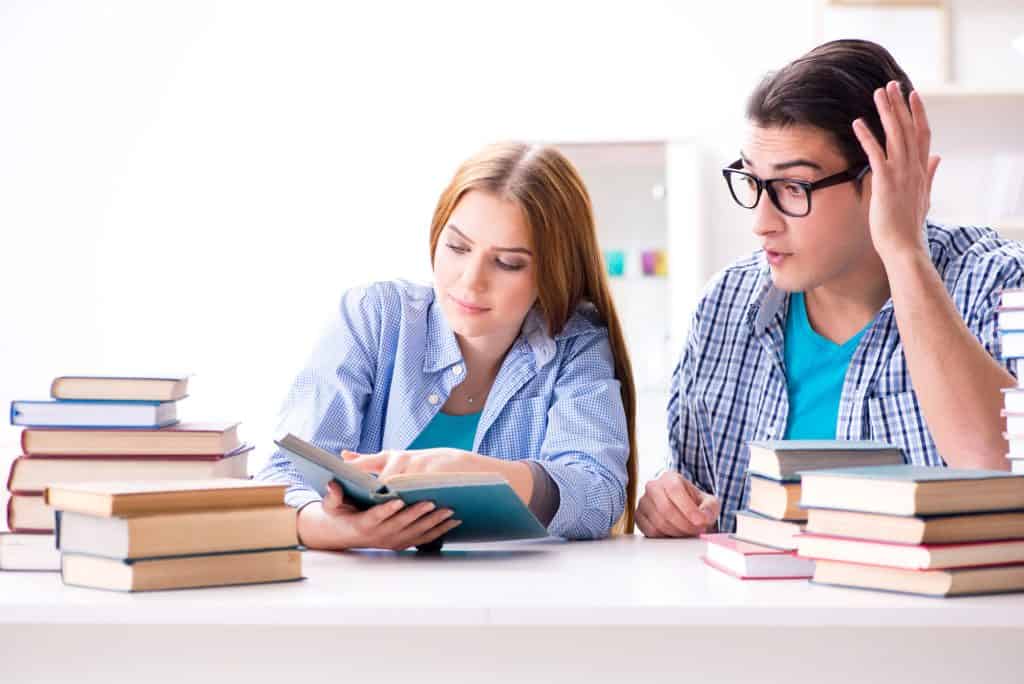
[
  {"x": 954, "y": 91},
  {"x": 636, "y": 279},
  {"x": 1013, "y": 225}
]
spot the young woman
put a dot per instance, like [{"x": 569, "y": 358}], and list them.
[{"x": 513, "y": 362}]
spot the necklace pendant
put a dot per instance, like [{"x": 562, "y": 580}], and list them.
[{"x": 469, "y": 399}]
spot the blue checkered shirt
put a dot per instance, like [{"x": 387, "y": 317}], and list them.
[
  {"x": 730, "y": 384},
  {"x": 386, "y": 366}
]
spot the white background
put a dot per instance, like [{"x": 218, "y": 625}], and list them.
[{"x": 191, "y": 185}]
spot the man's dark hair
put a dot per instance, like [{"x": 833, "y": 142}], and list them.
[{"x": 828, "y": 88}]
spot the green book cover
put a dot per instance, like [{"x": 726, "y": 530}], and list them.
[{"x": 485, "y": 503}]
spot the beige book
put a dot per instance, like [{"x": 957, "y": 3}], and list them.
[
  {"x": 779, "y": 500},
  {"x": 29, "y": 513},
  {"x": 758, "y": 529},
  {"x": 964, "y": 581},
  {"x": 35, "y": 474},
  {"x": 212, "y": 570},
  {"x": 942, "y": 529},
  {"x": 143, "y": 497},
  {"x": 179, "y": 534},
  {"x": 119, "y": 388}
]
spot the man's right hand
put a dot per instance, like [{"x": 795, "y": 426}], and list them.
[
  {"x": 672, "y": 506},
  {"x": 337, "y": 525}
]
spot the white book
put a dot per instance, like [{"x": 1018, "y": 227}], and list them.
[
  {"x": 28, "y": 552},
  {"x": 1011, "y": 319},
  {"x": 1013, "y": 399},
  {"x": 1011, "y": 344},
  {"x": 1014, "y": 424},
  {"x": 98, "y": 414},
  {"x": 1016, "y": 444},
  {"x": 1012, "y": 298}
]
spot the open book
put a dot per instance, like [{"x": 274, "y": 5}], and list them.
[{"x": 484, "y": 502}]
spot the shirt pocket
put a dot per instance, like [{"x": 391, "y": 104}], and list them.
[
  {"x": 519, "y": 429},
  {"x": 898, "y": 419}
]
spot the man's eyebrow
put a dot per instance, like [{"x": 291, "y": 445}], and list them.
[
  {"x": 517, "y": 250},
  {"x": 789, "y": 164}
]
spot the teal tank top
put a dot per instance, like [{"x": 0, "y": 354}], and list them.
[
  {"x": 453, "y": 432},
  {"x": 815, "y": 371}
]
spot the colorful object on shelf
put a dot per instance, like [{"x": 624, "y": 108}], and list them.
[
  {"x": 647, "y": 259},
  {"x": 654, "y": 262},
  {"x": 615, "y": 262}
]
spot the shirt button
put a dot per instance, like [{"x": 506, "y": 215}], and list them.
[
  {"x": 457, "y": 370},
  {"x": 433, "y": 399}
]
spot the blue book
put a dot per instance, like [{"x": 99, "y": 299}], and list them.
[
  {"x": 784, "y": 459},
  {"x": 913, "y": 490},
  {"x": 94, "y": 414},
  {"x": 485, "y": 503}
]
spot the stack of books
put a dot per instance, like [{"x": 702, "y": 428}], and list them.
[
  {"x": 915, "y": 529},
  {"x": 145, "y": 536},
  {"x": 106, "y": 428},
  {"x": 1011, "y": 334},
  {"x": 773, "y": 516},
  {"x": 748, "y": 561}
]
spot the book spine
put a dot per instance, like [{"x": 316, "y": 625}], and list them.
[{"x": 10, "y": 479}]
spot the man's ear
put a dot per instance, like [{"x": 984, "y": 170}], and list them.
[{"x": 865, "y": 188}]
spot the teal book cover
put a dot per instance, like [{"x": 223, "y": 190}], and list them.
[
  {"x": 485, "y": 503},
  {"x": 913, "y": 473},
  {"x": 821, "y": 445}
]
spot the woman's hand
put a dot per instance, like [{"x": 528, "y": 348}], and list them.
[
  {"x": 335, "y": 524},
  {"x": 387, "y": 464}
]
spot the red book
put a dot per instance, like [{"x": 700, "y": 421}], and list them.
[
  {"x": 29, "y": 514},
  {"x": 190, "y": 439},
  {"x": 910, "y": 556},
  {"x": 752, "y": 561},
  {"x": 31, "y": 475}
]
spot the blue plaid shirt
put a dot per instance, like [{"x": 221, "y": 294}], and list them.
[
  {"x": 730, "y": 384},
  {"x": 386, "y": 366}
]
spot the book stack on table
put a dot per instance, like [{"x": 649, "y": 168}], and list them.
[
  {"x": 772, "y": 516},
  {"x": 105, "y": 428},
  {"x": 145, "y": 536},
  {"x": 1010, "y": 323},
  {"x": 915, "y": 529}
]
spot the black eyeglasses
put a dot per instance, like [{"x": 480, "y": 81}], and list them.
[{"x": 790, "y": 196}]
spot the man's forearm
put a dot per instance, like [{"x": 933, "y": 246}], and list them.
[{"x": 957, "y": 382}]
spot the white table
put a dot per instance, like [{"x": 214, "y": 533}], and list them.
[{"x": 616, "y": 610}]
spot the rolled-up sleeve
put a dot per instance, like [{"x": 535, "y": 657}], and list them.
[
  {"x": 328, "y": 399},
  {"x": 586, "y": 444}
]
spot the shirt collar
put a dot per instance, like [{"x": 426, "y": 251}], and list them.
[{"x": 442, "y": 348}]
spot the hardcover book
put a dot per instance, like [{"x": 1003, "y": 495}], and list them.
[{"x": 484, "y": 502}]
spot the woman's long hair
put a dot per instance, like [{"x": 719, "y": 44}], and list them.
[{"x": 569, "y": 266}]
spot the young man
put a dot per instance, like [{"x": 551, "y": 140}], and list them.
[{"x": 858, "y": 319}]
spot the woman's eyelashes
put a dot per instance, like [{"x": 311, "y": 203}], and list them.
[{"x": 504, "y": 265}]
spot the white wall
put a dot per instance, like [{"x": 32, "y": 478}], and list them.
[{"x": 190, "y": 185}]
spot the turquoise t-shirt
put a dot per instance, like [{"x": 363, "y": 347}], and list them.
[
  {"x": 815, "y": 370},
  {"x": 453, "y": 432}
]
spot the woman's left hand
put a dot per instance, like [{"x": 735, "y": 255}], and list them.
[
  {"x": 442, "y": 460},
  {"x": 389, "y": 463}
]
